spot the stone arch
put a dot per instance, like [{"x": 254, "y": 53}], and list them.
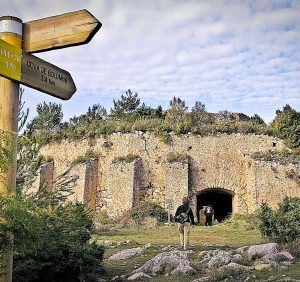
[{"x": 225, "y": 201}]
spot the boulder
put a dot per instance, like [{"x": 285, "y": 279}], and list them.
[
  {"x": 125, "y": 254},
  {"x": 234, "y": 268},
  {"x": 262, "y": 250},
  {"x": 237, "y": 258},
  {"x": 221, "y": 258},
  {"x": 205, "y": 256},
  {"x": 286, "y": 256},
  {"x": 263, "y": 266},
  {"x": 183, "y": 270},
  {"x": 140, "y": 276},
  {"x": 277, "y": 260},
  {"x": 217, "y": 258},
  {"x": 242, "y": 249},
  {"x": 175, "y": 262}
]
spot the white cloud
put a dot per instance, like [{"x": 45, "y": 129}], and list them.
[{"x": 242, "y": 55}]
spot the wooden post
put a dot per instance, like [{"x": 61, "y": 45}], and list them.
[{"x": 11, "y": 32}]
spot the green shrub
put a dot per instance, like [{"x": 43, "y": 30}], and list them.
[
  {"x": 51, "y": 243},
  {"x": 164, "y": 137},
  {"x": 89, "y": 154},
  {"x": 175, "y": 157},
  {"x": 127, "y": 159},
  {"x": 286, "y": 126},
  {"x": 283, "y": 224},
  {"x": 6, "y": 151},
  {"x": 138, "y": 214},
  {"x": 283, "y": 157}
]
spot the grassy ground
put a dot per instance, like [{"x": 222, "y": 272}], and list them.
[{"x": 232, "y": 234}]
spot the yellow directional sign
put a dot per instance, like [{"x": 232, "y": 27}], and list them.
[
  {"x": 34, "y": 72},
  {"x": 10, "y": 61}
]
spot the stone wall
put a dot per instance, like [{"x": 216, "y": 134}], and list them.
[{"x": 223, "y": 162}]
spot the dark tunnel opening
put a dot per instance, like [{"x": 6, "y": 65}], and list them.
[{"x": 220, "y": 199}]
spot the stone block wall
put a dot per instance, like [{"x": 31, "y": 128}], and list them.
[
  {"x": 91, "y": 184},
  {"x": 121, "y": 190},
  {"x": 223, "y": 162},
  {"x": 176, "y": 182}
]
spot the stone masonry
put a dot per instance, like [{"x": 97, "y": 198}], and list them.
[{"x": 220, "y": 162}]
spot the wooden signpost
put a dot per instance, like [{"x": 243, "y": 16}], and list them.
[
  {"x": 61, "y": 31},
  {"x": 18, "y": 66}
]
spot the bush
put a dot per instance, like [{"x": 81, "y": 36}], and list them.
[
  {"x": 283, "y": 157},
  {"x": 283, "y": 224},
  {"x": 164, "y": 137},
  {"x": 127, "y": 159},
  {"x": 138, "y": 214},
  {"x": 176, "y": 157},
  {"x": 51, "y": 242},
  {"x": 89, "y": 154}
]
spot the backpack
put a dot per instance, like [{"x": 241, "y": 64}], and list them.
[{"x": 183, "y": 217}]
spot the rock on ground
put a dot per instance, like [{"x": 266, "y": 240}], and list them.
[
  {"x": 277, "y": 260},
  {"x": 263, "y": 266},
  {"x": 125, "y": 254},
  {"x": 202, "y": 279},
  {"x": 139, "y": 276},
  {"x": 263, "y": 249},
  {"x": 175, "y": 262},
  {"x": 217, "y": 258},
  {"x": 235, "y": 268}
]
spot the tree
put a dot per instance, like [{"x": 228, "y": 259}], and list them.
[
  {"x": 257, "y": 120},
  {"x": 128, "y": 104},
  {"x": 286, "y": 126},
  {"x": 177, "y": 118},
  {"x": 49, "y": 117},
  {"x": 200, "y": 116},
  {"x": 177, "y": 105},
  {"x": 51, "y": 235},
  {"x": 199, "y": 107},
  {"x": 6, "y": 151},
  {"x": 96, "y": 112},
  {"x": 282, "y": 224},
  {"x": 28, "y": 158}
]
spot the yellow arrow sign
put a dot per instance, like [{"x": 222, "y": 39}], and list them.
[
  {"x": 34, "y": 72},
  {"x": 10, "y": 61},
  {"x": 60, "y": 31}
]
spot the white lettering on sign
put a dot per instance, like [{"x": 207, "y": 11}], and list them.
[
  {"x": 10, "y": 61},
  {"x": 9, "y": 55},
  {"x": 9, "y": 64}
]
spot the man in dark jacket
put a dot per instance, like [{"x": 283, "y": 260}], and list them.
[
  {"x": 209, "y": 213},
  {"x": 184, "y": 217}
]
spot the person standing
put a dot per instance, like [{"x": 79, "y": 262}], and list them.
[
  {"x": 184, "y": 217},
  {"x": 209, "y": 213}
]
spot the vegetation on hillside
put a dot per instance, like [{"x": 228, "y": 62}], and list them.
[
  {"x": 282, "y": 224},
  {"x": 129, "y": 115},
  {"x": 51, "y": 236}
]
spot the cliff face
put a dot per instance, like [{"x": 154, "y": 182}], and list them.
[{"x": 220, "y": 164}]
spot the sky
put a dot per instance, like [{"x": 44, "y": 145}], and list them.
[{"x": 243, "y": 56}]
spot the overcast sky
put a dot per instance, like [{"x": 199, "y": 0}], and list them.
[{"x": 243, "y": 56}]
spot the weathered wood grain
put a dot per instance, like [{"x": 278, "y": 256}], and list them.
[{"x": 60, "y": 31}]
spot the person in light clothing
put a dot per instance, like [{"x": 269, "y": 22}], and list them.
[{"x": 184, "y": 217}]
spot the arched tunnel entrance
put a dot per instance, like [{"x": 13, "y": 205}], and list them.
[{"x": 220, "y": 199}]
